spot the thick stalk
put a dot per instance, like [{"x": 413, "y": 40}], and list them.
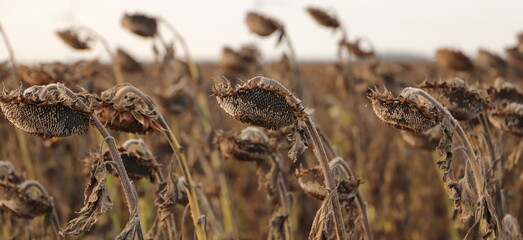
[
  {"x": 321, "y": 156},
  {"x": 10, "y": 50},
  {"x": 192, "y": 66},
  {"x": 129, "y": 193},
  {"x": 179, "y": 156},
  {"x": 473, "y": 160}
]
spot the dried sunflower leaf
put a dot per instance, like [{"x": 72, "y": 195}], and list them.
[
  {"x": 131, "y": 231},
  {"x": 96, "y": 203}
]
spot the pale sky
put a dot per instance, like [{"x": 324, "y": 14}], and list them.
[{"x": 413, "y": 26}]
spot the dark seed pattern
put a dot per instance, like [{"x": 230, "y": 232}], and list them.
[
  {"x": 509, "y": 118},
  {"x": 403, "y": 113},
  {"x": 46, "y": 121},
  {"x": 463, "y": 102},
  {"x": 261, "y": 102},
  {"x": 47, "y": 116}
]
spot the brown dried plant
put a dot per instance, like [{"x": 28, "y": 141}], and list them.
[
  {"x": 45, "y": 112},
  {"x": 323, "y": 18},
  {"x": 73, "y": 39},
  {"x": 65, "y": 113},
  {"x": 453, "y": 60},
  {"x": 141, "y": 115},
  {"x": 252, "y": 145},
  {"x": 126, "y": 112},
  {"x": 26, "y": 199},
  {"x": 265, "y": 26},
  {"x": 403, "y": 113},
  {"x": 140, "y": 24},
  {"x": 464, "y": 102},
  {"x": 265, "y": 102},
  {"x": 127, "y": 63}
]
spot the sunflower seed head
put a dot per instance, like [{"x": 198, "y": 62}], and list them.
[
  {"x": 403, "y": 113},
  {"x": 262, "y": 102},
  {"x": 45, "y": 115},
  {"x": 140, "y": 24},
  {"x": 312, "y": 182},
  {"x": 262, "y": 25},
  {"x": 72, "y": 38},
  {"x": 490, "y": 60},
  {"x": 323, "y": 18},
  {"x": 503, "y": 93},
  {"x": 19, "y": 197},
  {"x": 251, "y": 145},
  {"x": 508, "y": 118},
  {"x": 453, "y": 60},
  {"x": 138, "y": 164},
  {"x": 33, "y": 77},
  {"x": 463, "y": 102},
  {"x": 126, "y": 62},
  {"x": 127, "y": 114}
]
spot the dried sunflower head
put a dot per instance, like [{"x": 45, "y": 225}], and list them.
[
  {"x": 453, "y": 60},
  {"x": 355, "y": 48},
  {"x": 126, "y": 62},
  {"x": 127, "y": 112},
  {"x": 312, "y": 182},
  {"x": 323, "y": 18},
  {"x": 262, "y": 102},
  {"x": 231, "y": 60},
  {"x": 503, "y": 93},
  {"x": 262, "y": 25},
  {"x": 403, "y": 113},
  {"x": 251, "y": 145},
  {"x": 72, "y": 38},
  {"x": 508, "y": 118},
  {"x": 463, "y": 102},
  {"x": 490, "y": 60},
  {"x": 46, "y": 111},
  {"x": 140, "y": 24},
  {"x": 23, "y": 201},
  {"x": 139, "y": 162},
  {"x": 33, "y": 77}
]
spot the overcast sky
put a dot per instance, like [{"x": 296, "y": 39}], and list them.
[{"x": 413, "y": 26}]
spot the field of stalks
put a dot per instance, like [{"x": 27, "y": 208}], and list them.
[{"x": 357, "y": 148}]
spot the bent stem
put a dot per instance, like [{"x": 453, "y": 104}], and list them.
[
  {"x": 131, "y": 196},
  {"x": 179, "y": 156},
  {"x": 10, "y": 50},
  {"x": 95, "y": 35},
  {"x": 362, "y": 205},
  {"x": 192, "y": 66},
  {"x": 473, "y": 160},
  {"x": 321, "y": 156}
]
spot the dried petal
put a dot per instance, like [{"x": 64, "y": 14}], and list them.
[{"x": 128, "y": 114}]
